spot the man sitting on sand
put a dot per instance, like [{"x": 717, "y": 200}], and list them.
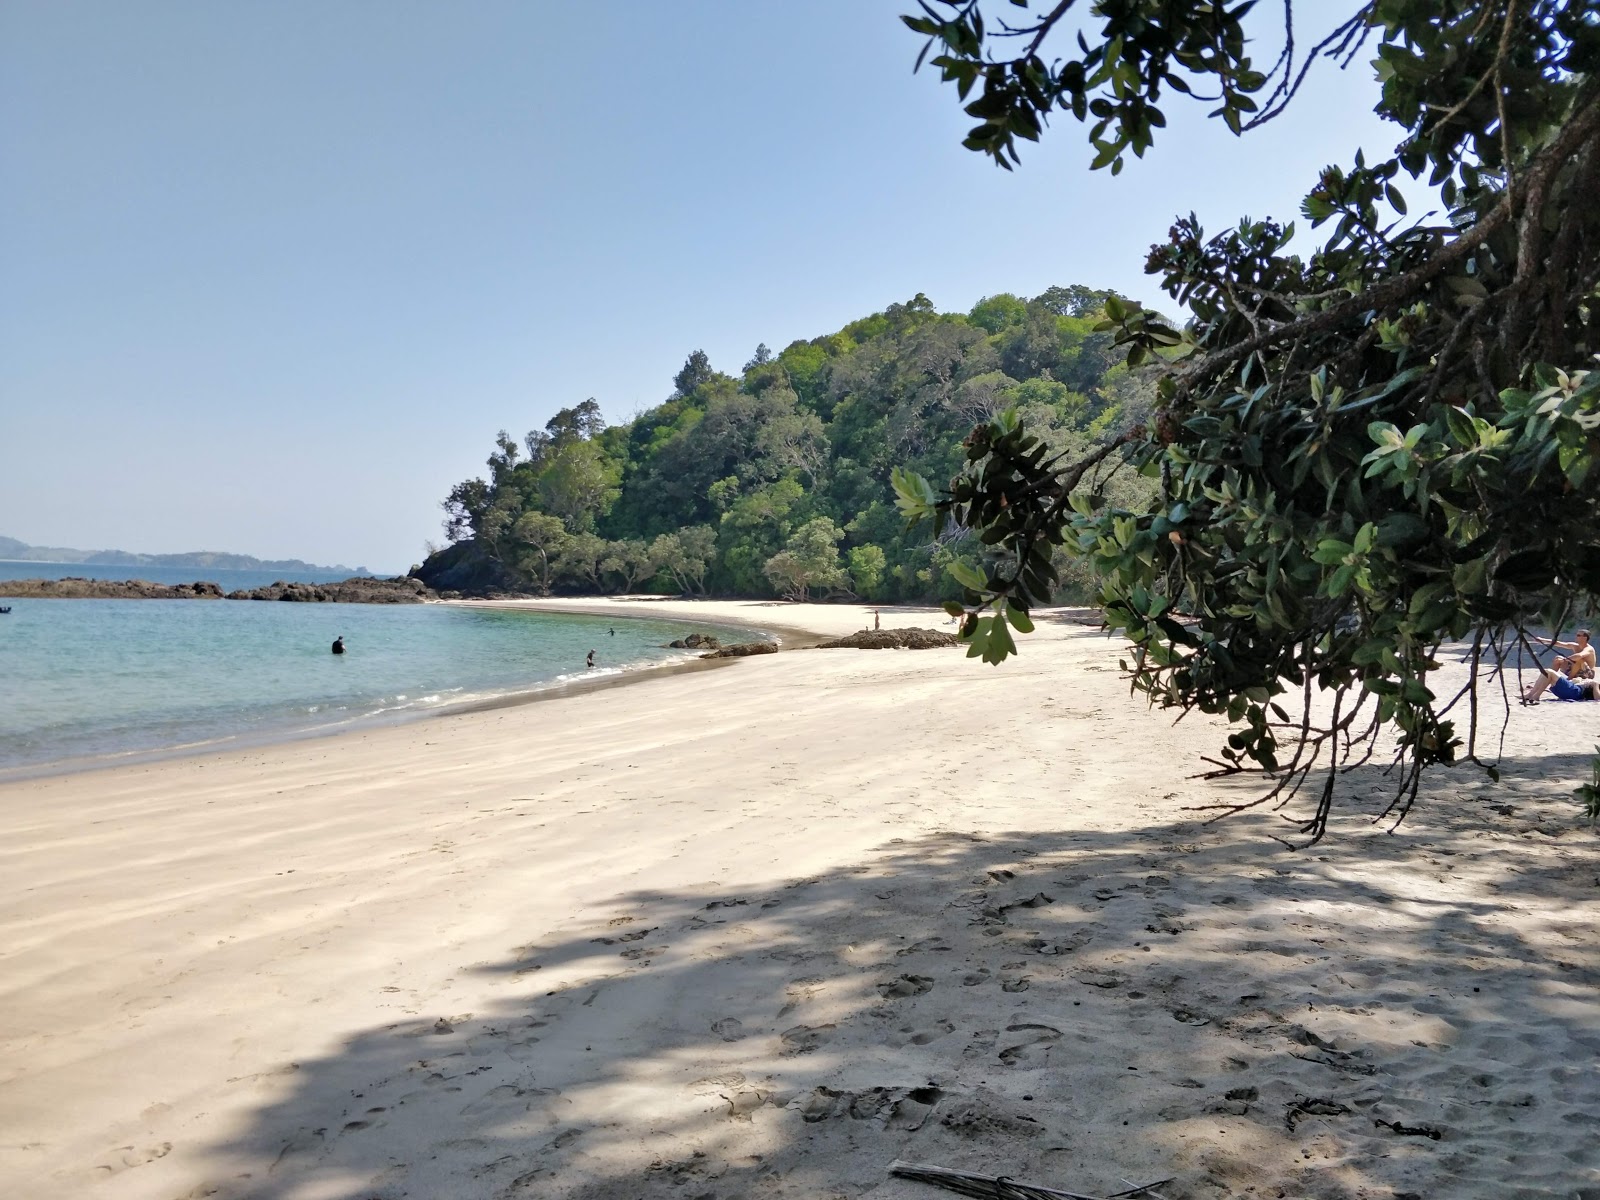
[
  {"x": 1562, "y": 686},
  {"x": 1581, "y": 662},
  {"x": 1569, "y": 677}
]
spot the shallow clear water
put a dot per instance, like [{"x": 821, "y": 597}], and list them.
[{"x": 101, "y": 679}]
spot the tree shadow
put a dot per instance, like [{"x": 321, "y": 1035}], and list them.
[{"x": 1071, "y": 1007}]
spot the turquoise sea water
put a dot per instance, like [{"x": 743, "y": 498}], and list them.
[{"x": 87, "y": 682}]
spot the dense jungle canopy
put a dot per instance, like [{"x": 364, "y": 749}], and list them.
[{"x": 776, "y": 481}]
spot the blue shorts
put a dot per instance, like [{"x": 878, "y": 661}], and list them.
[{"x": 1565, "y": 689}]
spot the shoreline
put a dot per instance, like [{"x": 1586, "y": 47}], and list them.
[
  {"x": 555, "y": 689},
  {"x": 762, "y": 932},
  {"x": 821, "y": 621}
]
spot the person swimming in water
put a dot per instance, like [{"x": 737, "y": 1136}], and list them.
[
  {"x": 338, "y": 644},
  {"x": 590, "y": 663}
]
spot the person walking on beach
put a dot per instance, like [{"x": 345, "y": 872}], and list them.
[
  {"x": 590, "y": 663},
  {"x": 338, "y": 644},
  {"x": 876, "y": 622}
]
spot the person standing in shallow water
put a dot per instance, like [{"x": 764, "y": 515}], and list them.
[
  {"x": 338, "y": 644},
  {"x": 590, "y": 662}
]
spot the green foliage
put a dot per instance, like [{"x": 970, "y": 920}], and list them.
[
  {"x": 718, "y": 479},
  {"x": 1359, "y": 456},
  {"x": 685, "y": 557},
  {"x": 867, "y": 566},
  {"x": 810, "y": 559},
  {"x": 1589, "y": 792}
]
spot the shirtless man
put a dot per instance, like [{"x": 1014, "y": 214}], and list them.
[
  {"x": 1581, "y": 661},
  {"x": 1568, "y": 677}
]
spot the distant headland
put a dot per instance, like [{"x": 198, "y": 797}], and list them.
[{"x": 17, "y": 551}]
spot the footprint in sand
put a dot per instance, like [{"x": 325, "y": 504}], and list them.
[
  {"x": 504, "y": 1099},
  {"x": 801, "y": 991},
  {"x": 494, "y": 1042},
  {"x": 921, "y": 1037},
  {"x": 744, "y": 1102},
  {"x": 305, "y": 1141},
  {"x": 803, "y": 1039},
  {"x": 905, "y": 986},
  {"x": 982, "y": 1042},
  {"x": 624, "y": 937},
  {"x": 974, "y": 978},
  {"x": 124, "y": 1157},
  {"x": 1034, "y": 1039},
  {"x": 729, "y": 1029},
  {"x": 1101, "y": 979}
]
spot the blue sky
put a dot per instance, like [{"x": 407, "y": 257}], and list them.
[{"x": 275, "y": 274}]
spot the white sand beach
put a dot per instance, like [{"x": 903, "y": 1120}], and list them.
[{"x": 762, "y": 929}]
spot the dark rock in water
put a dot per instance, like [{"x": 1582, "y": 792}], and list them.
[
  {"x": 743, "y": 650},
  {"x": 891, "y": 639},
  {"x": 361, "y": 590},
  {"x": 76, "y": 588},
  {"x": 696, "y": 641}
]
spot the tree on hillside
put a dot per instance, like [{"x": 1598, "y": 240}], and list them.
[
  {"x": 578, "y": 483},
  {"x": 582, "y": 559},
  {"x": 696, "y": 371},
  {"x": 685, "y": 557},
  {"x": 1361, "y": 454},
  {"x": 536, "y": 540},
  {"x": 810, "y": 559},
  {"x": 629, "y": 563},
  {"x": 867, "y": 565}
]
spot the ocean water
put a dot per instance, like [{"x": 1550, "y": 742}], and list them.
[
  {"x": 228, "y": 581},
  {"x": 91, "y": 682}
]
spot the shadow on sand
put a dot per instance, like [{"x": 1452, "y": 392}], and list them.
[{"x": 1384, "y": 1015}]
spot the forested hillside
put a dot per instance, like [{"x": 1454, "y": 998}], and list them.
[{"x": 776, "y": 481}]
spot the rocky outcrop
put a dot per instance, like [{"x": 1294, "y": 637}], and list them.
[
  {"x": 463, "y": 569},
  {"x": 74, "y": 588},
  {"x": 891, "y": 639},
  {"x": 360, "y": 590},
  {"x": 696, "y": 641},
  {"x": 743, "y": 650}
]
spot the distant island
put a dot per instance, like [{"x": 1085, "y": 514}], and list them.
[{"x": 13, "y": 550}]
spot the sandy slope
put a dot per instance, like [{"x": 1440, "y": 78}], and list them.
[{"x": 760, "y": 930}]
